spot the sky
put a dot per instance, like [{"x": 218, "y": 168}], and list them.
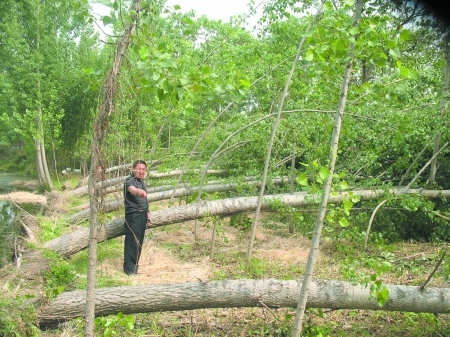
[{"x": 212, "y": 9}]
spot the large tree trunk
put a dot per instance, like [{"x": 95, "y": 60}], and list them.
[
  {"x": 71, "y": 243},
  {"x": 270, "y": 293},
  {"x": 39, "y": 167}
]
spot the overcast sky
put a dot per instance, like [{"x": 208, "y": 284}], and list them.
[{"x": 212, "y": 9}]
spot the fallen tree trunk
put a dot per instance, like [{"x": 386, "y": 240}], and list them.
[
  {"x": 270, "y": 293},
  {"x": 72, "y": 243},
  {"x": 154, "y": 195},
  {"x": 83, "y": 190}
]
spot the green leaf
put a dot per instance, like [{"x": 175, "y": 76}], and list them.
[
  {"x": 392, "y": 44},
  {"x": 324, "y": 173},
  {"x": 161, "y": 95},
  {"x": 302, "y": 179},
  {"x": 395, "y": 52},
  {"x": 143, "y": 53},
  {"x": 404, "y": 72},
  {"x": 162, "y": 46},
  {"x": 309, "y": 55},
  {"x": 405, "y": 35},
  {"x": 328, "y": 6},
  {"x": 343, "y": 222},
  {"x": 246, "y": 83},
  {"x": 167, "y": 63},
  {"x": 221, "y": 89},
  {"x": 206, "y": 69},
  {"x": 382, "y": 296},
  {"x": 108, "y": 20},
  {"x": 177, "y": 7},
  {"x": 348, "y": 204},
  {"x": 353, "y": 30},
  {"x": 385, "y": 267},
  {"x": 344, "y": 185},
  {"x": 196, "y": 88}
]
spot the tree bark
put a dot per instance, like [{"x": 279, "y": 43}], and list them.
[
  {"x": 270, "y": 293},
  {"x": 71, "y": 243}
]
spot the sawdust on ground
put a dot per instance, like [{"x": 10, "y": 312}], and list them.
[{"x": 22, "y": 197}]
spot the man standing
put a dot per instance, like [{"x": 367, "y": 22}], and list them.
[{"x": 136, "y": 216}]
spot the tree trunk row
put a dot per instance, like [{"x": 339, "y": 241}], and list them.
[
  {"x": 83, "y": 190},
  {"x": 155, "y": 195},
  {"x": 71, "y": 243}
]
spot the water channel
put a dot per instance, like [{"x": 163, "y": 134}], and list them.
[{"x": 8, "y": 212}]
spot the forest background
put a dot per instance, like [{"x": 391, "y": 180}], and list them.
[{"x": 194, "y": 93}]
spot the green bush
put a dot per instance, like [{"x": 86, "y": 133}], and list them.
[
  {"x": 60, "y": 275},
  {"x": 17, "y": 318}
]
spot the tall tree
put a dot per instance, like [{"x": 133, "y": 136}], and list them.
[
  {"x": 100, "y": 127},
  {"x": 37, "y": 52},
  {"x": 313, "y": 253}
]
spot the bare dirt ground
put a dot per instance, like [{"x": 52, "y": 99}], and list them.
[{"x": 160, "y": 265}]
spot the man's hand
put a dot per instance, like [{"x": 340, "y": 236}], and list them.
[
  {"x": 141, "y": 193},
  {"x": 149, "y": 219},
  {"x": 137, "y": 192}
]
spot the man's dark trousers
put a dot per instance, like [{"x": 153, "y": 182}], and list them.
[{"x": 135, "y": 224}]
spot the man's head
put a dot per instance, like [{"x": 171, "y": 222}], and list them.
[{"x": 139, "y": 169}]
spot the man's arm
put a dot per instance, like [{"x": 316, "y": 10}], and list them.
[{"x": 137, "y": 192}]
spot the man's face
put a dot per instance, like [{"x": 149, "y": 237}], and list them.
[{"x": 139, "y": 171}]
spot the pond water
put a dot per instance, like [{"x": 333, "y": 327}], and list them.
[
  {"x": 6, "y": 178},
  {"x": 8, "y": 211}
]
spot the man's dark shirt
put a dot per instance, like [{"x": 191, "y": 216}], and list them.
[{"x": 133, "y": 203}]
